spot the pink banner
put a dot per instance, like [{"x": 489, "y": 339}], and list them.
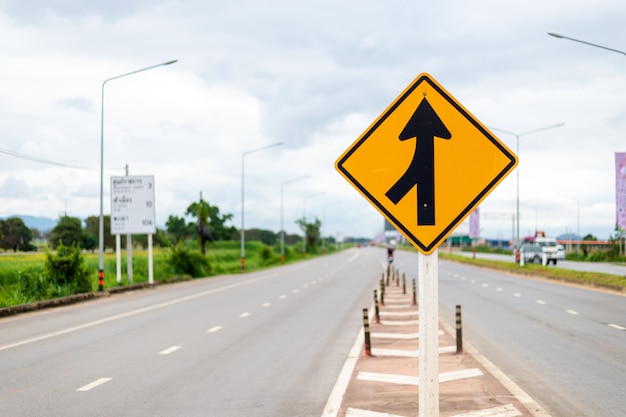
[
  {"x": 474, "y": 226},
  {"x": 620, "y": 189}
]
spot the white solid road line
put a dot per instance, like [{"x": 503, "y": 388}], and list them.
[
  {"x": 341, "y": 385},
  {"x": 169, "y": 350},
  {"x": 94, "y": 384}
]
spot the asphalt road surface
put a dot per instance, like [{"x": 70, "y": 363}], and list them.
[
  {"x": 564, "y": 346},
  {"x": 268, "y": 343}
]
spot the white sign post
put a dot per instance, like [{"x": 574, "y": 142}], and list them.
[
  {"x": 132, "y": 210},
  {"x": 428, "y": 290}
]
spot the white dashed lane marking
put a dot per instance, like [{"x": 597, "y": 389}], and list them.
[
  {"x": 94, "y": 384},
  {"x": 169, "y": 350},
  {"x": 244, "y": 315},
  {"x": 572, "y": 312},
  {"x": 616, "y": 326},
  {"x": 266, "y": 304},
  {"x": 540, "y": 302},
  {"x": 215, "y": 329}
]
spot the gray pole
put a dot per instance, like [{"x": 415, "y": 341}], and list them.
[
  {"x": 556, "y": 35},
  {"x": 243, "y": 237},
  {"x": 517, "y": 136}
]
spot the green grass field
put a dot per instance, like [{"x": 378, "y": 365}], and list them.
[{"x": 22, "y": 275}]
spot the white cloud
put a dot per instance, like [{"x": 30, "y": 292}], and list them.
[{"x": 313, "y": 75}]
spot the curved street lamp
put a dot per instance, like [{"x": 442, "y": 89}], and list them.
[
  {"x": 517, "y": 136},
  {"x": 243, "y": 232},
  {"x": 101, "y": 223},
  {"x": 556, "y": 35}
]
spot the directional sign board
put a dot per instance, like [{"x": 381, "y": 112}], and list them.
[
  {"x": 426, "y": 163},
  {"x": 132, "y": 205}
]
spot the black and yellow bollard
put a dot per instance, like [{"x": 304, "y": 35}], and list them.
[
  {"x": 366, "y": 330},
  {"x": 403, "y": 283},
  {"x": 414, "y": 293},
  {"x": 382, "y": 292},
  {"x": 459, "y": 331},
  {"x": 376, "y": 310}
]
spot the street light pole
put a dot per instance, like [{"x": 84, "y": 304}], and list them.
[
  {"x": 282, "y": 216},
  {"x": 101, "y": 223},
  {"x": 517, "y": 136},
  {"x": 556, "y": 35},
  {"x": 243, "y": 238}
]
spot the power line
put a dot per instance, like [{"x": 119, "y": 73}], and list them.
[{"x": 35, "y": 159}]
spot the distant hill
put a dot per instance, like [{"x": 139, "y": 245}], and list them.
[{"x": 42, "y": 224}]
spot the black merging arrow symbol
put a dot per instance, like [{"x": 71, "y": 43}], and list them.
[{"x": 424, "y": 125}]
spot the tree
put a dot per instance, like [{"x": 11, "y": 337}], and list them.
[
  {"x": 68, "y": 232},
  {"x": 92, "y": 226},
  {"x": 178, "y": 229},
  {"x": 266, "y": 236},
  {"x": 217, "y": 222},
  {"x": 311, "y": 232},
  {"x": 15, "y": 235},
  {"x": 200, "y": 211}
]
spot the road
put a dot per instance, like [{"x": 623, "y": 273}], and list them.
[
  {"x": 564, "y": 346},
  {"x": 268, "y": 343},
  {"x": 272, "y": 343}
]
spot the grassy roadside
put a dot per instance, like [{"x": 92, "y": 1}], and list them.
[
  {"x": 25, "y": 283},
  {"x": 592, "y": 279}
]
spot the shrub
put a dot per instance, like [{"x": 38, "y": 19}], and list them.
[
  {"x": 186, "y": 261},
  {"x": 67, "y": 269}
]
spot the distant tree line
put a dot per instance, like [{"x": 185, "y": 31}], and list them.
[{"x": 201, "y": 221}]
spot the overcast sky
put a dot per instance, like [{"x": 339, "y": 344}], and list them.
[{"x": 312, "y": 75}]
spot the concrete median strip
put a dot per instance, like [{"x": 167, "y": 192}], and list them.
[{"x": 414, "y": 380}]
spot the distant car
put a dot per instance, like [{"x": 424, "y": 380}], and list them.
[
  {"x": 560, "y": 252},
  {"x": 532, "y": 253}
]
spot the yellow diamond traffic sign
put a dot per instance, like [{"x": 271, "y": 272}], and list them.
[{"x": 426, "y": 163}]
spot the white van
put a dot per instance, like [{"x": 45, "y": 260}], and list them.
[{"x": 549, "y": 247}]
